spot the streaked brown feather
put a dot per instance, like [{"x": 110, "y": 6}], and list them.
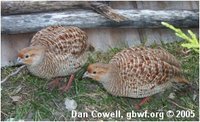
[
  {"x": 65, "y": 51},
  {"x": 61, "y": 40},
  {"x": 140, "y": 72}
]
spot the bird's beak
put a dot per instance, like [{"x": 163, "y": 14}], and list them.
[
  {"x": 19, "y": 60},
  {"x": 85, "y": 75}
]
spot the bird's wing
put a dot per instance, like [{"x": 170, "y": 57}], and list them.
[
  {"x": 61, "y": 40},
  {"x": 165, "y": 56},
  {"x": 159, "y": 53},
  {"x": 137, "y": 69}
]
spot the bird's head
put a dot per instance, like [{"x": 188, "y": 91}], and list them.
[
  {"x": 98, "y": 71},
  {"x": 30, "y": 55}
]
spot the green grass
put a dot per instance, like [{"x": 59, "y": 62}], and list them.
[{"x": 37, "y": 103}]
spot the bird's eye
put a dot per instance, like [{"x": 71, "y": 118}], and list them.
[
  {"x": 94, "y": 72},
  {"x": 26, "y": 56}
]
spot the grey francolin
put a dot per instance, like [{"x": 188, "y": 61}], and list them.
[
  {"x": 56, "y": 51},
  {"x": 137, "y": 72}
]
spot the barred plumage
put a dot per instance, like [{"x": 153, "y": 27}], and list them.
[
  {"x": 137, "y": 72},
  {"x": 56, "y": 51}
]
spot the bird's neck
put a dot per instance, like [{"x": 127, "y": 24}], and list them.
[
  {"x": 111, "y": 81},
  {"x": 39, "y": 61}
]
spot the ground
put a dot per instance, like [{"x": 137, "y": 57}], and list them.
[{"x": 26, "y": 97}]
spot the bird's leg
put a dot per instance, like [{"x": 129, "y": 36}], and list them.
[
  {"x": 143, "y": 101},
  {"x": 65, "y": 88},
  {"x": 54, "y": 83}
]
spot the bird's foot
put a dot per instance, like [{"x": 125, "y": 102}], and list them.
[
  {"x": 54, "y": 83},
  {"x": 142, "y": 102},
  {"x": 65, "y": 88}
]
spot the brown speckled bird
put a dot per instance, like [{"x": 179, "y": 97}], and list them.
[
  {"x": 137, "y": 72},
  {"x": 56, "y": 51}
]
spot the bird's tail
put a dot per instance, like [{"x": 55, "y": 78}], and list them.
[
  {"x": 182, "y": 79},
  {"x": 90, "y": 48},
  {"x": 184, "y": 84},
  {"x": 107, "y": 11}
]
